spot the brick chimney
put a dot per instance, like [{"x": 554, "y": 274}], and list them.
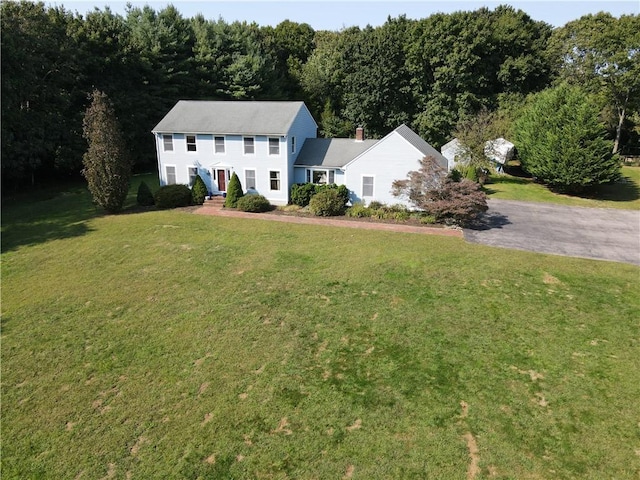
[{"x": 359, "y": 134}]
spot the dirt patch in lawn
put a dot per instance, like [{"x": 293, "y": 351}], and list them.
[{"x": 474, "y": 456}]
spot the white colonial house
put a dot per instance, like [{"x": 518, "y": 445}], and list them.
[
  {"x": 272, "y": 145},
  {"x": 259, "y": 141}
]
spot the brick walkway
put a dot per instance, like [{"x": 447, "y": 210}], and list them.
[{"x": 389, "y": 227}]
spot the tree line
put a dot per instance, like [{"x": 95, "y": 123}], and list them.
[{"x": 433, "y": 74}]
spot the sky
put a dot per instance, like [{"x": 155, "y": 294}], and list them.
[{"x": 334, "y": 15}]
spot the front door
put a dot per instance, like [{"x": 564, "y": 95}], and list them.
[{"x": 222, "y": 180}]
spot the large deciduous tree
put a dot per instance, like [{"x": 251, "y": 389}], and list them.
[
  {"x": 602, "y": 53},
  {"x": 561, "y": 141},
  {"x": 107, "y": 165}
]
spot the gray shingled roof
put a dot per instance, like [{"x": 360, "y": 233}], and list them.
[
  {"x": 331, "y": 152},
  {"x": 230, "y": 117},
  {"x": 338, "y": 152},
  {"x": 427, "y": 150}
]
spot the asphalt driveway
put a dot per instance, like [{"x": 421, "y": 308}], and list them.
[{"x": 597, "y": 233}]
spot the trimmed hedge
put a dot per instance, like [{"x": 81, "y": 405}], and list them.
[
  {"x": 253, "y": 204},
  {"x": 172, "y": 196}
]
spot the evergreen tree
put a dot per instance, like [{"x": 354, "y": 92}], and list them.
[
  {"x": 234, "y": 191},
  {"x": 198, "y": 191},
  {"x": 560, "y": 141},
  {"x": 107, "y": 167},
  {"x": 144, "y": 197}
]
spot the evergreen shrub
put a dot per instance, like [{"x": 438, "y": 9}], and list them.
[
  {"x": 234, "y": 192},
  {"x": 172, "y": 196},
  {"x": 144, "y": 196},
  {"x": 198, "y": 191},
  {"x": 253, "y": 204},
  {"x": 327, "y": 203}
]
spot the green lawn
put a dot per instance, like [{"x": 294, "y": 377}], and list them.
[
  {"x": 173, "y": 345},
  {"x": 624, "y": 194}
]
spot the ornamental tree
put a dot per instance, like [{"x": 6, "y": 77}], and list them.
[
  {"x": 561, "y": 141},
  {"x": 107, "y": 165},
  {"x": 447, "y": 198}
]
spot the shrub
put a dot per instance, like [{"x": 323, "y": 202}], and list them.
[
  {"x": 144, "y": 196},
  {"x": 327, "y": 203},
  {"x": 301, "y": 193},
  {"x": 359, "y": 210},
  {"x": 234, "y": 191},
  {"x": 427, "y": 219},
  {"x": 198, "y": 191},
  {"x": 456, "y": 202},
  {"x": 172, "y": 196},
  {"x": 375, "y": 205},
  {"x": 253, "y": 203}
]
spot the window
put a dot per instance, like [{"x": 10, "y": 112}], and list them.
[
  {"x": 167, "y": 143},
  {"x": 193, "y": 173},
  {"x": 293, "y": 144},
  {"x": 274, "y": 180},
  {"x": 367, "y": 186},
  {"x": 250, "y": 179},
  {"x": 191, "y": 143},
  {"x": 274, "y": 146},
  {"x": 218, "y": 144},
  {"x": 248, "y": 146},
  {"x": 171, "y": 174},
  {"x": 321, "y": 177}
]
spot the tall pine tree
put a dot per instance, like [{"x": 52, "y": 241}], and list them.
[{"x": 107, "y": 165}]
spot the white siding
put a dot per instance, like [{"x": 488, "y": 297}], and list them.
[
  {"x": 234, "y": 159},
  {"x": 390, "y": 159}
]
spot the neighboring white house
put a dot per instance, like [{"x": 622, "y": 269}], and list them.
[
  {"x": 454, "y": 153},
  {"x": 272, "y": 145},
  {"x": 499, "y": 151}
]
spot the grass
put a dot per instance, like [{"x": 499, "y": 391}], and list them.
[
  {"x": 624, "y": 194},
  {"x": 163, "y": 344}
]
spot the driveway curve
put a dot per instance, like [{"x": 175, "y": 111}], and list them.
[{"x": 596, "y": 233}]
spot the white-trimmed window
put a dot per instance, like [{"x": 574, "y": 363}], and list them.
[
  {"x": 193, "y": 173},
  {"x": 191, "y": 143},
  {"x": 274, "y": 180},
  {"x": 293, "y": 144},
  {"x": 321, "y": 177},
  {"x": 218, "y": 143},
  {"x": 170, "y": 173},
  {"x": 250, "y": 179},
  {"x": 249, "y": 145},
  {"x": 367, "y": 186},
  {"x": 167, "y": 143},
  {"x": 274, "y": 146}
]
